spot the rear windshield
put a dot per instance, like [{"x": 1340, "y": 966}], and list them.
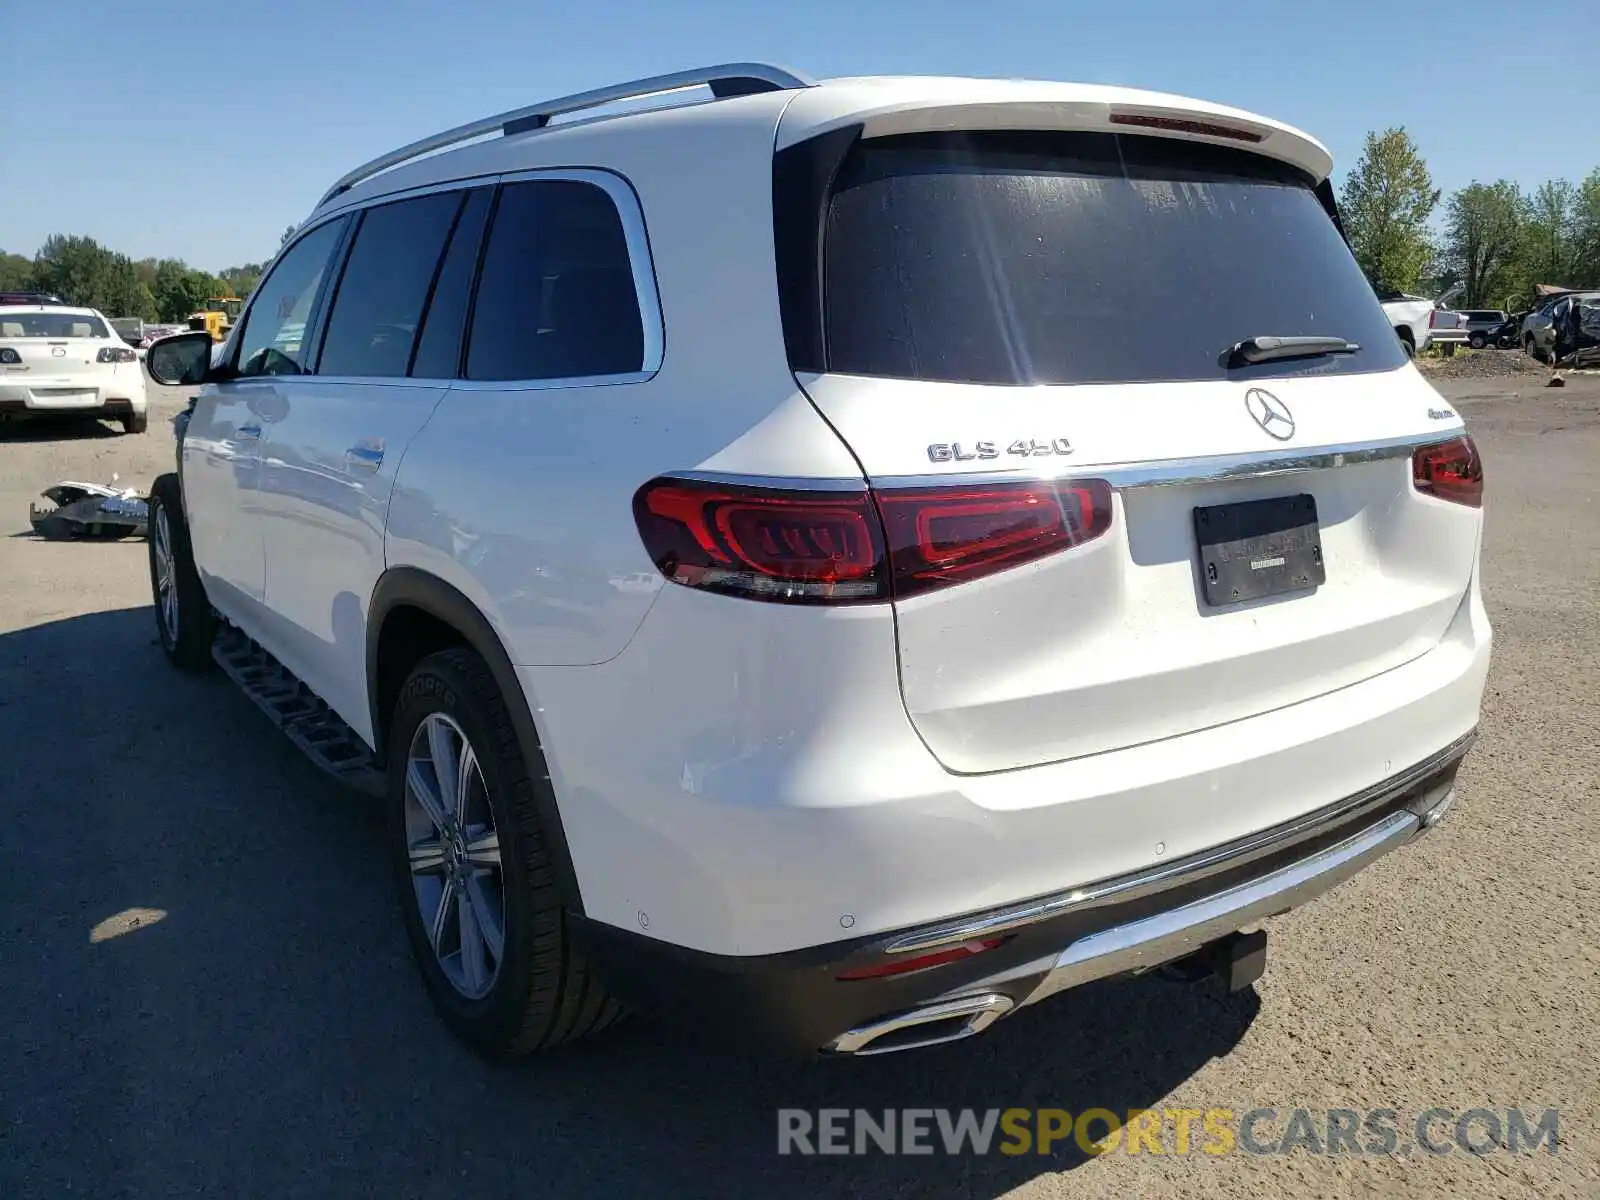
[
  {"x": 51, "y": 325},
  {"x": 1021, "y": 258}
]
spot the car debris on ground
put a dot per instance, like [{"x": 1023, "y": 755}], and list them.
[{"x": 90, "y": 511}]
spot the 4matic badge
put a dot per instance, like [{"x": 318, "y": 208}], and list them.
[{"x": 1022, "y": 448}]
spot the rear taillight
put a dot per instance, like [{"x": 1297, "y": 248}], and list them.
[
  {"x": 9, "y": 357},
  {"x": 770, "y": 544},
  {"x": 1450, "y": 471},
  {"x": 939, "y": 536},
  {"x": 837, "y": 547},
  {"x": 116, "y": 354}
]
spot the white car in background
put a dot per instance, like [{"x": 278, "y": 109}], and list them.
[
  {"x": 64, "y": 361},
  {"x": 1419, "y": 322}
]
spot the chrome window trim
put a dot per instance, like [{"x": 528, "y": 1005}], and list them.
[
  {"x": 637, "y": 238},
  {"x": 629, "y": 211},
  {"x": 540, "y": 385}
]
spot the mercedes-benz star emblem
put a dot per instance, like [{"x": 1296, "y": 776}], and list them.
[{"x": 1270, "y": 413}]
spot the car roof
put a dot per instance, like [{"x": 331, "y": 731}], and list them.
[
  {"x": 882, "y": 105},
  {"x": 66, "y": 310}
]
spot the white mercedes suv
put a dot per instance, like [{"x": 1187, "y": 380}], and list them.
[{"x": 762, "y": 555}]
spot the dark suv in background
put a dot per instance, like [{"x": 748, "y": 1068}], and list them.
[{"x": 1482, "y": 325}]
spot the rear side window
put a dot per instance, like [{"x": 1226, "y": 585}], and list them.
[
  {"x": 52, "y": 325},
  {"x": 378, "y": 307},
  {"x": 1021, "y": 258},
  {"x": 555, "y": 298},
  {"x": 439, "y": 350}
]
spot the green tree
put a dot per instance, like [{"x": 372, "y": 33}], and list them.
[
  {"x": 179, "y": 289},
  {"x": 16, "y": 273},
  {"x": 241, "y": 280},
  {"x": 1483, "y": 234},
  {"x": 287, "y": 234},
  {"x": 1586, "y": 232},
  {"x": 1385, "y": 204},
  {"x": 1550, "y": 234},
  {"x": 78, "y": 269}
]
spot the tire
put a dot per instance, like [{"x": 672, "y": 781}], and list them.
[
  {"x": 537, "y": 992},
  {"x": 1477, "y": 341},
  {"x": 136, "y": 422},
  {"x": 185, "y": 621},
  {"x": 1411, "y": 350}
]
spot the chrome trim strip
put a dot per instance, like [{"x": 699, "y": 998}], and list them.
[
  {"x": 1213, "y": 468},
  {"x": 1165, "y": 936},
  {"x": 791, "y": 483},
  {"x": 981, "y": 1012},
  {"x": 1167, "y": 472},
  {"x": 1183, "y": 871},
  {"x": 540, "y": 385}
]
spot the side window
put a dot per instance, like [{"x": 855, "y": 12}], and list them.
[
  {"x": 555, "y": 298},
  {"x": 377, "y": 307},
  {"x": 439, "y": 350},
  {"x": 271, "y": 342}
]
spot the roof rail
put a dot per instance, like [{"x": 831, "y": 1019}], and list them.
[{"x": 728, "y": 79}]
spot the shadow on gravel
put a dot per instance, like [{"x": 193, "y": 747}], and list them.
[
  {"x": 266, "y": 1035},
  {"x": 55, "y": 429}
]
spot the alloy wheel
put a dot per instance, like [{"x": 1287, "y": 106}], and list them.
[
  {"x": 455, "y": 856},
  {"x": 166, "y": 581}
]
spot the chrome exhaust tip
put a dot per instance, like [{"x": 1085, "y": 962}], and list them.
[
  {"x": 1434, "y": 815},
  {"x": 951, "y": 1020}
]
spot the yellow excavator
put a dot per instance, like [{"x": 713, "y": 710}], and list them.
[{"x": 217, "y": 317}]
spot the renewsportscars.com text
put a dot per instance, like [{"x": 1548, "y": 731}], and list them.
[{"x": 1216, "y": 1131}]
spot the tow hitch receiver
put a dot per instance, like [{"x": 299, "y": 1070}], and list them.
[
  {"x": 1235, "y": 962},
  {"x": 1240, "y": 959}
]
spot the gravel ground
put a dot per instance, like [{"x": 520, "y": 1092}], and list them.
[
  {"x": 1481, "y": 364},
  {"x": 266, "y": 1036}
]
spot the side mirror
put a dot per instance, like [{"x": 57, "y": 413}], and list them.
[{"x": 184, "y": 358}]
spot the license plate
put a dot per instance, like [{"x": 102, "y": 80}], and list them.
[{"x": 1258, "y": 548}]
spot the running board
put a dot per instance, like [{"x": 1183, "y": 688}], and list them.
[{"x": 316, "y": 729}]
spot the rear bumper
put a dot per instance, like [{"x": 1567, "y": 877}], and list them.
[
  {"x": 783, "y": 801},
  {"x": 1113, "y": 927},
  {"x": 116, "y": 398}
]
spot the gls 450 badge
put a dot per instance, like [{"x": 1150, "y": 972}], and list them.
[{"x": 1022, "y": 448}]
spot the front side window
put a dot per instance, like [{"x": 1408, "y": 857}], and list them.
[
  {"x": 1039, "y": 258},
  {"x": 378, "y": 306},
  {"x": 555, "y": 297},
  {"x": 272, "y": 341}
]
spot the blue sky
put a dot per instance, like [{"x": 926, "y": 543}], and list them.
[{"x": 201, "y": 133}]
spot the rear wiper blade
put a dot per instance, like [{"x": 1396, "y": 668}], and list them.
[{"x": 1265, "y": 349}]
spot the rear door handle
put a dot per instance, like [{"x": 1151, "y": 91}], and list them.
[{"x": 367, "y": 455}]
